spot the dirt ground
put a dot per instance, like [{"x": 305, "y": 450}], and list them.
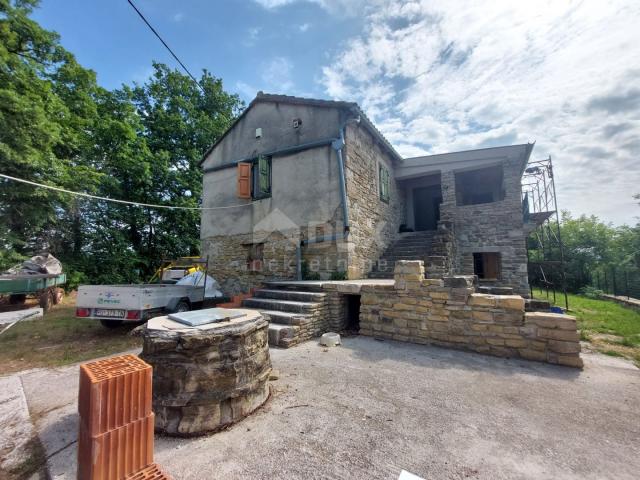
[{"x": 371, "y": 409}]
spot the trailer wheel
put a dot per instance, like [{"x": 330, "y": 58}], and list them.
[
  {"x": 17, "y": 298},
  {"x": 46, "y": 299},
  {"x": 58, "y": 295},
  {"x": 111, "y": 323},
  {"x": 182, "y": 306}
]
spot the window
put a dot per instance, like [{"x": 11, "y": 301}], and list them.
[
  {"x": 261, "y": 177},
  {"x": 483, "y": 185},
  {"x": 486, "y": 265},
  {"x": 254, "y": 178},
  {"x": 255, "y": 257},
  {"x": 383, "y": 178}
]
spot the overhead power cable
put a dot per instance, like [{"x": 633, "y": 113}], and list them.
[
  {"x": 114, "y": 200},
  {"x": 165, "y": 44}
]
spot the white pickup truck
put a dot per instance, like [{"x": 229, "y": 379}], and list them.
[{"x": 115, "y": 304}]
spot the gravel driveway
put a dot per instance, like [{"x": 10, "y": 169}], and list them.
[{"x": 370, "y": 409}]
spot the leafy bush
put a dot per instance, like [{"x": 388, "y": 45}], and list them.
[
  {"x": 338, "y": 275},
  {"x": 591, "y": 292}
]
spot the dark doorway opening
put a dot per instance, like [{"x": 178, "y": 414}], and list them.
[
  {"x": 486, "y": 265},
  {"x": 353, "y": 313},
  {"x": 426, "y": 207}
]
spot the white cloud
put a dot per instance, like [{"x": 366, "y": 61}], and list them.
[
  {"x": 251, "y": 36},
  {"x": 446, "y": 76},
  {"x": 246, "y": 90},
  {"x": 337, "y": 7},
  {"x": 277, "y": 75},
  {"x": 304, "y": 27},
  {"x": 178, "y": 17}
]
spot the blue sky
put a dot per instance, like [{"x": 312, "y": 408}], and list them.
[
  {"x": 249, "y": 46},
  {"x": 435, "y": 76}
]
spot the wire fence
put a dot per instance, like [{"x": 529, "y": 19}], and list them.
[{"x": 621, "y": 281}]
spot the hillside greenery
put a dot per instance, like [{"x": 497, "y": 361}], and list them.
[{"x": 141, "y": 142}]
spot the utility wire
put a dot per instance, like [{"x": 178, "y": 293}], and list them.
[
  {"x": 114, "y": 200},
  {"x": 165, "y": 44}
]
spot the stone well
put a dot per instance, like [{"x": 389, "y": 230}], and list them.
[{"x": 209, "y": 376}]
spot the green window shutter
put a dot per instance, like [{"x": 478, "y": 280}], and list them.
[
  {"x": 264, "y": 175},
  {"x": 384, "y": 184}
]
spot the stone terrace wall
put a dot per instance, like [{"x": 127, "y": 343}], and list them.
[{"x": 448, "y": 313}]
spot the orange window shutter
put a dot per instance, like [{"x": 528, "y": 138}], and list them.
[{"x": 244, "y": 180}]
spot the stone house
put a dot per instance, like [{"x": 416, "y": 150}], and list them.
[{"x": 303, "y": 188}]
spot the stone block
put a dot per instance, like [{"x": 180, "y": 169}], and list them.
[
  {"x": 564, "y": 347},
  {"x": 400, "y": 322},
  {"x": 483, "y": 327},
  {"x": 482, "y": 300},
  {"x": 439, "y": 295},
  {"x": 570, "y": 361},
  {"x": 551, "y": 320},
  {"x": 458, "y": 282},
  {"x": 495, "y": 341},
  {"x": 564, "y": 335},
  {"x": 516, "y": 343},
  {"x": 536, "y": 355},
  {"x": 510, "y": 302},
  {"x": 403, "y": 306},
  {"x": 510, "y": 317},
  {"x": 482, "y": 316}
]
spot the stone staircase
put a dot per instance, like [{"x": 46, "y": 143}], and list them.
[
  {"x": 410, "y": 246},
  {"x": 295, "y": 313}
]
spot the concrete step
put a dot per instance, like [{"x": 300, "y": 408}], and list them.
[
  {"x": 295, "y": 295},
  {"x": 496, "y": 290},
  {"x": 282, "y": 335},
  {"x": 307, "y": 286},
  {"x": 286, "y": 318},
  {"x": 280, "y": 305}
]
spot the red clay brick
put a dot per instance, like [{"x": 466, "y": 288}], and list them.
[
  {"x": 113, "y": 392},
  {"x": 152, "y": 472},
  {"x": 117, "y": 453}
]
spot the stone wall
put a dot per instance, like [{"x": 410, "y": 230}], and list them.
[
  {"x": 448, "y": 313},
  {"x": 374, "y": 223},
  {"x": 490, "y": 227},
  {"x": 229, "y": 254}
]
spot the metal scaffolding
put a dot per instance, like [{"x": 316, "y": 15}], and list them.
[{"x": 545, "y": 252}]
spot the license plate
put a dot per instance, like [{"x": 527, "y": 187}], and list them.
[{"x": 109, "y": 312}]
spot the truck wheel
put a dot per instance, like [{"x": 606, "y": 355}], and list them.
[
  {"x": 46, "y": 299},
  {"x": 111, "y": 323},
  {"x": 58, "y": 295},
  {"x": 17, "y": 298},
  {"x": 182, "y": 306}
]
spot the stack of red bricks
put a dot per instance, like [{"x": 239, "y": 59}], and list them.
[{"x": 115, "y": 440}]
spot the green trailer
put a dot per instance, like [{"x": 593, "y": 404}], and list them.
[{"x": 46, "y": 287}]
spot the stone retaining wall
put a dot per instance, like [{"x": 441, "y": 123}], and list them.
[{"x": 448, "y": 312}]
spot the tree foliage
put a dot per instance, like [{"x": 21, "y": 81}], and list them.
[
  {"x": 141, "y": 143},
  {"x": 597, "y": 254}
]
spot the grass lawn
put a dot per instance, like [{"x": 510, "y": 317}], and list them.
[
  {"x": 609, "y": 327},
  {"x": 59, "y": 339}
]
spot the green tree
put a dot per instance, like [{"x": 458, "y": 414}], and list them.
[{"x": 141, "y": 143}]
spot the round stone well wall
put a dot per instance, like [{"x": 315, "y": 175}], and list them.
[{"x": 207, "y": 377}]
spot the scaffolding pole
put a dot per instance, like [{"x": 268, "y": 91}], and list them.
[{"x": 543, "y": 217}]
